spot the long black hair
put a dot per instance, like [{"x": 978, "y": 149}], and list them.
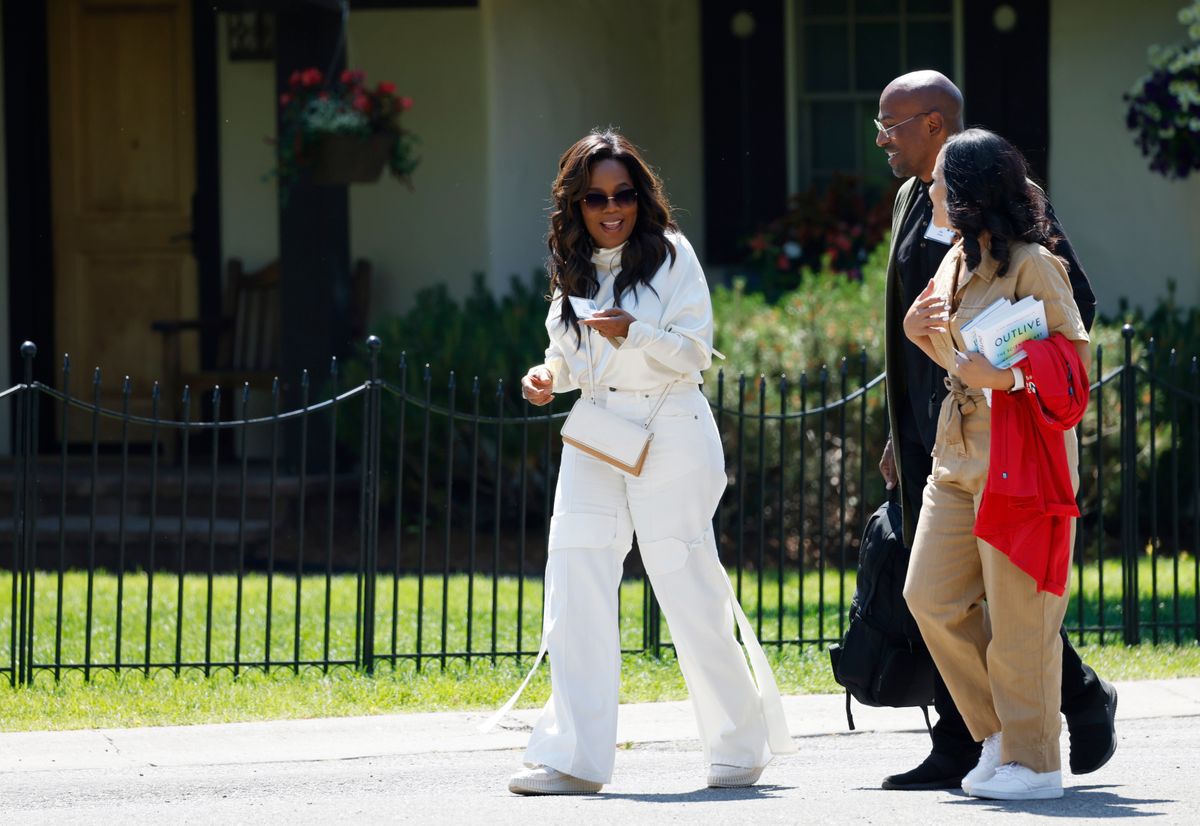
[
  {"x": 988, "y": 190},
  {"x": 571, "y": 247}
]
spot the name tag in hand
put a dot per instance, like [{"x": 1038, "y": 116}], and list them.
[{"x": 583, "y": 307}]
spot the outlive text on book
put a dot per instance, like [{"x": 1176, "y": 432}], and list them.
[{"x": 1000, "y": 329}]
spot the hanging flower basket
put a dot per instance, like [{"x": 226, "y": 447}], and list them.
[
  {"x": 341, "y": 132},
  {"x": 1164, "y": 105},
  {"x": 351, "y": 159}
]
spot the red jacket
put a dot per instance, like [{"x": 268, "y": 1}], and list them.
[{"x": 1028, "y": 500}]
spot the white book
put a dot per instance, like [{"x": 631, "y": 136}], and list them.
[
  {"x": 1000, "y": 335},
  {"x": 968, "y": 330}
]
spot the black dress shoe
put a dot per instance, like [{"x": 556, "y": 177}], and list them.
[
  {"x": 1094, "y": 733},
  {"x": 937, "y": 771}
]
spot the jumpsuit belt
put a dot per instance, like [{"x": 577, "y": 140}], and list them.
[{"x": 963, "y": 401}]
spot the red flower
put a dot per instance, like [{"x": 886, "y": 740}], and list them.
[
  {"x": 323, "y": 96},
  {"x": 311, "y": 77},
  {"x": 353, "y": 76},
  {"x": 759, "y": 243},
  {"x": 362, "y": 103},
  {"x": 294, "y": 80},
  {"x": 285, "y": 99},
  {"x": 387, "y": 88},
  {"x": 783, "y": 262},
  {"x": 404, "y": 103}
]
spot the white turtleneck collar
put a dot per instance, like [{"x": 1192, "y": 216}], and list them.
[{"x": 608, "y": 260}]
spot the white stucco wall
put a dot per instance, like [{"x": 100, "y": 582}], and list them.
[
  {"x": 437, "y": 232},
  {"x": 249, "y": 212},
  {"x": 5, "y": 351},
  {"x": 557, "y": 68},
  {"x": 1133, "y": 229},
  {"x": 500, "y": 91}
]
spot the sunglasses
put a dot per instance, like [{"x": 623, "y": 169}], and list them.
[{"x": 624, "y": 199}]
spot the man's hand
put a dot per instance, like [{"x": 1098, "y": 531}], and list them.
[
  {"x": 887, "y": 466},
  {"x": 612, "y": 323},
  {"x": 927, "y": 315},
  {"x": 537, "y": 385}
]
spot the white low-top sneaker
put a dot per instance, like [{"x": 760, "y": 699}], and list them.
[
  {"x": 545, "y": 780},
  {"x": 1012, "y": 781},
  {"x": 989, "y": 760},
  {"x": 721, "y": 776}
]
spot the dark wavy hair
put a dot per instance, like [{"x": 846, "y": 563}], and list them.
[
  {"x": 988, "y": 190},
  {"x": 570, "y": 263}
]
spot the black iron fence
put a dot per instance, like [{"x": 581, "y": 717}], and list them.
[{"x": 402, "y": 519}]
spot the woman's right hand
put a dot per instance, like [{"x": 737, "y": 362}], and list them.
[
  {"x": 926, "y": 316},
  {"x": 537, "y": 385}
]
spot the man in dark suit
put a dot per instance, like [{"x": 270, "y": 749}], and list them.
[{"x": 918, "y": 112}]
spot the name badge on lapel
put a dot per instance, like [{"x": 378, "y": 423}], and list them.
[{"x": 942, "y": 235}]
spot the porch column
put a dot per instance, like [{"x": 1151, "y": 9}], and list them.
[{"x": 314, "y": 224}]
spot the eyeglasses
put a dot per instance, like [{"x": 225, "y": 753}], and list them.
[
  {"x": 887, "y": 130},
  {"x": 624, "y": 199}
]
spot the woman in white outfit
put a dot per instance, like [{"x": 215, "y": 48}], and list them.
[{"x": 612, "y": 239}]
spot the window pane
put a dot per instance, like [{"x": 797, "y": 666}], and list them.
[
  {"x": 877, "y": 6},
  {"x": 876, "y": 55},
  {"x": 826, "y": 66},
  {"x": 833, "y": 131},
  {"x": 928, "y": 6},
  {"x": 814, "y": 7},
  {"x": 931, "y": 46}
]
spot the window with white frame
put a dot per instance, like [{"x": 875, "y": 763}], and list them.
[{"x": 841, "y": 54}]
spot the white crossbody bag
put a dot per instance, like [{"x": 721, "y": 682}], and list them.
[{"x": 606, "y": 436}]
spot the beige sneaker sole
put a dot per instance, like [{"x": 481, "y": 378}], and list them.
[
  {"x": 733, "y": 777},
  {"x": 559, "y": 785}
]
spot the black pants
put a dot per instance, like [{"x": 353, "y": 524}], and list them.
[{"x": 1080, "y": 685}]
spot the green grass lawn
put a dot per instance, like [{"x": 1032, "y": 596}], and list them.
[{"x": 130, "y": 698}]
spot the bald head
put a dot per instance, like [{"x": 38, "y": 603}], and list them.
[
  {"x": 920, "y": 111},
  {"x": 928, "y": 89}
]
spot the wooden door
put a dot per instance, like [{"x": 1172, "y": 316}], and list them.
[{"x": 122, "y": 177}]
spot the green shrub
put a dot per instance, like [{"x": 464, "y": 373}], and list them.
[
  {"x": 827, "y": 317},
  {"x": 486, "y": 336}
]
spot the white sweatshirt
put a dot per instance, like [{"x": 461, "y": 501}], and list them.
[{"x": 670, "y": 340}]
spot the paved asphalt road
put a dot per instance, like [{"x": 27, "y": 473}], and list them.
[{"x": 833, "y": 779}]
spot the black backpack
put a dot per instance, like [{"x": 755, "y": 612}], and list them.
[{"x": 882, "y": 660}]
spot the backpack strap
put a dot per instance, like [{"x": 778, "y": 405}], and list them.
[
  {"x": 928, "y": 727},
  {"x": 849, "y": 714}
]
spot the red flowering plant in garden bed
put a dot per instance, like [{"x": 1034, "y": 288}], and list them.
[
  {"x": 834, "y": 229},
  {"x": 347, "y": 113}
]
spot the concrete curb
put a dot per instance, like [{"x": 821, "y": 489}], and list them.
[{"x": 349, "y": 738}]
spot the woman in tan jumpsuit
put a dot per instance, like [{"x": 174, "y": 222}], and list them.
[{"x": 1005, "y": 678}]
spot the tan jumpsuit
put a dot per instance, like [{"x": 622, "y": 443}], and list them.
[{"x": 1004, "y": 669}]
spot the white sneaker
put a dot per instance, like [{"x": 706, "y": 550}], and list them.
[
  {"x": 989, "y": 760},
  {"x": 545, "y": 780},
  {"x": 722, "y": 776},
  {"x": 1012, "y": 781}
]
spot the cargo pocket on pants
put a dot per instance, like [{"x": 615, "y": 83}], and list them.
[
  {"x": 667, "y": 555},
  {"x": 582, "y": 530}
]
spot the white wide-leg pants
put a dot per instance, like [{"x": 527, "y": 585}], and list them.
[{"x": 596, "y": 511}]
